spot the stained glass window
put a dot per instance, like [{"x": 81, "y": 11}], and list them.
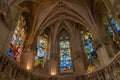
[
  {"x": 88, "y": 46},
  {"x": 112, "y": 34},
  {"x": 65, "y": 55},
  {"x": 115, "y": 25},
  {"x": 16, "y": 44},
  {"x": 42, "y": 49}
]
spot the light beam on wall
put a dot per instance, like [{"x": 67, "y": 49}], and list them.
[
  {"x": 53, "y": 73},
  {"x": 28, "y": 67}
]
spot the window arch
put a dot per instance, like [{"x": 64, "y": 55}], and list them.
[
  {"x": 18, "y": 38},
  {"x": 65, "y": 55},
  {"x": 42, "y": 50},
  {"x": 88, "y": 46}
]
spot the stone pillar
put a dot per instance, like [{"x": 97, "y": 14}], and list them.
[
  {"x": 53, "y": 59},
  {"x": 102, "y": 55},
  {"x": 28, "y": 53},
  {"x": 78, "y": 55},
  {"x": 30, "y": 60}
]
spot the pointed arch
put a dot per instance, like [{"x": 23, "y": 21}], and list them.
[
  {"x": 64, "y": 51},
  {"x": 42, "y": 52}
]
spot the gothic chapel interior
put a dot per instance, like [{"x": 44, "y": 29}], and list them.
[{"x": 59, "y": 39}]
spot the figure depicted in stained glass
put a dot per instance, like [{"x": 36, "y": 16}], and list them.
[
  {"x": 16, "y": 44},
  {"x": 42, "y": 46},
  {"x": 89, "y": 49},
  {"x": 65, "y": 56}
]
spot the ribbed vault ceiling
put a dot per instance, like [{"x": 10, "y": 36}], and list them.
[{"x": 47, "y": 12}]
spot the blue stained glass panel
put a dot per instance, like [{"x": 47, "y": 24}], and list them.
[
  {"x": 88, "y": 45},
  {"x": 65, "y": 56},
  {"x": 112, "y": 34},
  {"x": 115, "y": 25}
]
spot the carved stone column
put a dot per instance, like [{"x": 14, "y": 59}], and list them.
[
  {"x": 102, "y": 55},
  {"x": 54, "y": 65},
  {"x": 28, "y": 53},
  {"x": 80, "y": 61}
]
